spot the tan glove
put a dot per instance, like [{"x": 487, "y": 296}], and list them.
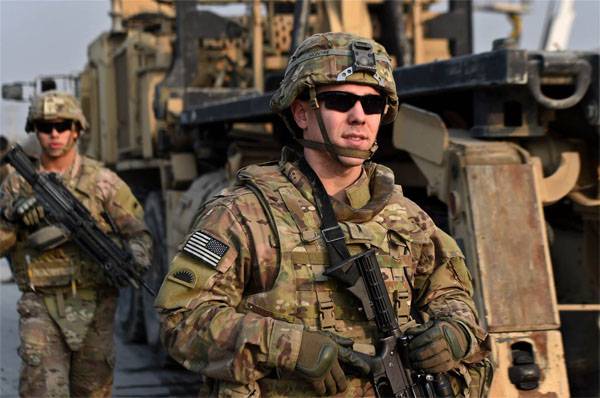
[
  {"x": 27, "y": 210},
  {"x": 437, "y": 345},
  {"x": 318, "y": 364}
]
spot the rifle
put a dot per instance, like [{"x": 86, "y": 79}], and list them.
[
  {"x": 390, "y": 376},
  {"x": 65, "y": 210}
]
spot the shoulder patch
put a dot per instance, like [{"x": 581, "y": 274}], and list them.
[
  {"x": 204, "y": 247},
  {"x": 183, "y": 276}
]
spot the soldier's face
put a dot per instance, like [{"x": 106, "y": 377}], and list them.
[
  {"x": 354, "y": 127},
  {"x": 56, "y": 137}
]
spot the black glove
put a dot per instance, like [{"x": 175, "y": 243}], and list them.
[
  {"x": 437, "y": 346},
  {"x": 346, "y": 355},
  {"x": 318, "y": 363},
  {"x": 27, "y": 210}
]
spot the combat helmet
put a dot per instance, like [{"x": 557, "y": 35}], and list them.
[
  {"x": 55, "y": 105},
  {"x": 335, "y": 58}
]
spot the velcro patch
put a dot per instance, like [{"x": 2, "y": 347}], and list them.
[
  {"x": 205, "y": 248},
  {"x": 184, "y": 277}
]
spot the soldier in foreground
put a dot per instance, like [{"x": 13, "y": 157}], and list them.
[
  {"x": 67, "y": 307},
  {"x": 249, "y": 301}
]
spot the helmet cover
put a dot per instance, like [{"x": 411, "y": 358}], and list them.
[
  {"x": 53, "y": 105},
  {"x": 336, "y": 58}
]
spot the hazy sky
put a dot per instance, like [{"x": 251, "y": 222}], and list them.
[{"x": 51, "y": 37}]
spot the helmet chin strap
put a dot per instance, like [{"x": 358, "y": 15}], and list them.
[
  {"x": 69, "y": 146},
  {"x": 334, "y": 150}
]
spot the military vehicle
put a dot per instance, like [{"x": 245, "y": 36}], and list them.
[{"x": 500, "y": 147}]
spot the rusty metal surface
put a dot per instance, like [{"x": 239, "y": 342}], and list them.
[
  {"x": 547, "y": 350},
  {"x": 511, "y": 248}
]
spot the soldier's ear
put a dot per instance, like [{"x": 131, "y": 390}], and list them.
[
  {"x": 77, "y": 131},
  {"x": 299, "y": 112}
]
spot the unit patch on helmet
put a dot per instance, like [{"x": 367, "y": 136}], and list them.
[
  {"x": 53, "y": 105},
  {"x": 184, "y": 277},
  {"x": 205, "y": 248}
]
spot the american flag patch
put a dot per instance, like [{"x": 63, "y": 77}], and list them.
[{"x": 206, "y": 248}]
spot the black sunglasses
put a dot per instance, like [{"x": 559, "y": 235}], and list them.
[
  {"x": 47, "y": 127},
  {"x": 342, "y": 101}
]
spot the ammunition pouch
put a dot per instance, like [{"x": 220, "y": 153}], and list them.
[
  {"x": 47, "y": 238},
  {"x": 51, "y": 268}
]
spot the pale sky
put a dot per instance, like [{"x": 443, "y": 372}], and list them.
[{"x": 51, "y": 37}]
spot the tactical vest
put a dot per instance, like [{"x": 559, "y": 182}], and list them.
[
  {"x": 65, "y": 264},
  {"x": 302, "y": 294}
]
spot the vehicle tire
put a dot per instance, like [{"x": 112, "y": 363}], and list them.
[
  {"x": 212, "y": 183},
  {"x": 130, "y": 318},
  {"x": 201, "y": 190},
  {"x": 155, "y": 221}
]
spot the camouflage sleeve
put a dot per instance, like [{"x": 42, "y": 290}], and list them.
[
  {"x": 446, "y": 288},
  {"x": 202, "y": 323},
  {"x": 128, "y": 216},
  {"x": 443, "y": 284},
  {"x": 8, "y": 233}
]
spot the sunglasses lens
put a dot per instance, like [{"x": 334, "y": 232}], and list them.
[
  {"x": 373, "y": 104},
  {"x": 63, "y": 126},
  {"x": 342, "y": 102},
  {"x": 337, "y": 101},
  {"x": 44, "y": 127},
  {"x": 47, "y": 127}
]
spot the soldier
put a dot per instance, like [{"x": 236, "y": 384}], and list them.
[
  {"x": 246, "y": 302},
  {"x": 67, "y": 306}
]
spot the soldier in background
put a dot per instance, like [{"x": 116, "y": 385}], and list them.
[
  {"x": 246, "y": 301},
  {"x": 4, "y": 145},
  {"x": 67, "y": 307}
]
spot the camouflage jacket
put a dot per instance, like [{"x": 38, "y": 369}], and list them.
[
  {"x": 238, "y": 312},
  {"x": 99, "y": 189}
]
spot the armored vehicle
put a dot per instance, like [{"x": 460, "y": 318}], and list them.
[{"x": 500, "y": 147}]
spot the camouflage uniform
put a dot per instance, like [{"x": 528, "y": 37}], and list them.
[
  {"x": 249, "y": 280},
  {"x": 240, "y": 320},
  {"x": 67, "y": 307}
]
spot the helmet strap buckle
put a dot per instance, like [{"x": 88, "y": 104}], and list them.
[{"x": 312, "y": 101}]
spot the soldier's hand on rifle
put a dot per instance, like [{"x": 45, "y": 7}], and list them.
[
  {"x": 318, "y": 363},
  {"x": 437, "y": 345},
  {"x": 27, "y": 210},
  {"x": 346, "y": 355}
]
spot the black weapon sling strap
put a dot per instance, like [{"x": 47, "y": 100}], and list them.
[{"x": 332, "y": 233}]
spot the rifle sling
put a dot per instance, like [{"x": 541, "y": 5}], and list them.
[{"x": 332, "y": 233}]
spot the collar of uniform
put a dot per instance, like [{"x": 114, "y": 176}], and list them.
[
  {"x": 289, "y": 167},
  {"x": 380, "y": 186},
  {"x": 71, "y": 172},
  {"x": 359, "y": 194}
]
